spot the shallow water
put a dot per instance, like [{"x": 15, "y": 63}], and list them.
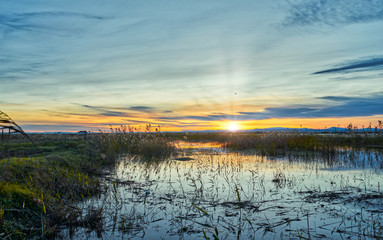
[{"x": 243, "y": 196}]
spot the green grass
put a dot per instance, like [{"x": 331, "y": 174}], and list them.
[
  {"x": 36, "y": 196},
  {"x": 41, "y": 182}
]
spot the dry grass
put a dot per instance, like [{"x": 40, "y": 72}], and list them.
[
  {"x": 44, "y": 175},
  {"x": 146, "y": 143},
  {"x": 283, "y": 143}
]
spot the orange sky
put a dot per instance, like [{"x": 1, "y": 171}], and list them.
[
  {"x": 93, "y": 122},
  {"x": 191, "y": 65}
]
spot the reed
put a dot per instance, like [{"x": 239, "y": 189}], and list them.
[
  {"x": 146, "y": 143},
  {"x": 43, "y": 176},
  {"x": 281, "y": 143}
]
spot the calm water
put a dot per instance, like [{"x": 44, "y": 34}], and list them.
[{"x": 242, "y": 196}]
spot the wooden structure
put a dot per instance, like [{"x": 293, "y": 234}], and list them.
[{"x": 8, "y": 125}]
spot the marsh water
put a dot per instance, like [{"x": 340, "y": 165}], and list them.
[{"x": 211, "y": 192}]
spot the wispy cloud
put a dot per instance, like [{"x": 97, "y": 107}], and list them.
[
  {"x": 169, "y": 62},
  {"x": 55, "y": 14},
  {"x": 336, "y": 98},
  {"x": 339, "y": 106},
  {"x": 106, "y": 112},
  {"x": 56, "y": 127},
  {"x": 366, "y": 77},
  {"x": 359, "y": 65},
  {"x": 330, "y": 12},
  {"x": 141, "y": 109},
  {"x": 32, "y": 21},
  {"x": 117, "y": 111}
]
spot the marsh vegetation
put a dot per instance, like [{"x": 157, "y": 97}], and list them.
[
  {"x": 44, "y": 176},
  {"x": 144, "y": 184}
]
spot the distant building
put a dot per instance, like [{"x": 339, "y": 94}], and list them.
[{"x": 84, "y": 133}]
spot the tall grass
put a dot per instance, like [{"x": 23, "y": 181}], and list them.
[
  {"x": 283, "y": 142},
  {"x": 44, "y": 175},
  {"x": 146, "y": 143}
]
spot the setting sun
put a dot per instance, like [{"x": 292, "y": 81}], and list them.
[
  {"x": 191, "y": 105},
  {"x": 233, "y": 126}
]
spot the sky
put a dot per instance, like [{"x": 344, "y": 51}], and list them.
[{"x": 191, "y": 65}]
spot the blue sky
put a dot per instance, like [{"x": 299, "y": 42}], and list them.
[{"x": 189, "y": 64}]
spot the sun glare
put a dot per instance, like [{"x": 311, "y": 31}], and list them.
[{"x": 233, "y": 126}]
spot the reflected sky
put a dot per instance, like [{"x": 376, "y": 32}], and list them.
[{"x": 158, "y": 199}]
